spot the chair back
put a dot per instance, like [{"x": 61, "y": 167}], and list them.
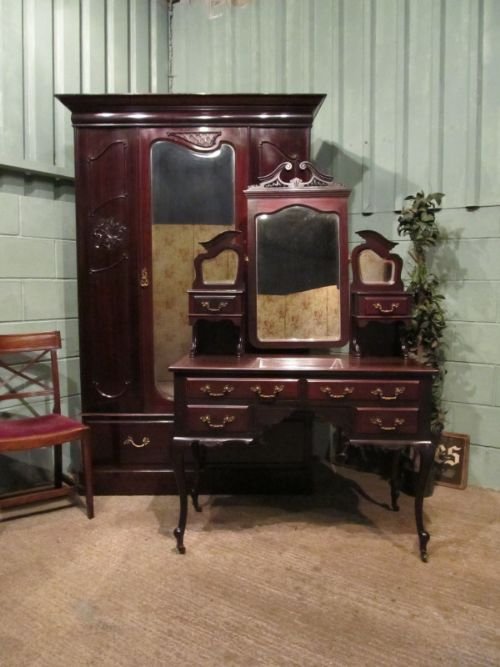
[{"x": 24, "y": 359}]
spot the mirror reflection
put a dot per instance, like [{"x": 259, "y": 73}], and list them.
[
  {"x": 375, "y": 269},
  {"x": 220, "y": 270},
  {"x": 297, "y": 290},
  {"x": 192, "y": 200},
  {"x": 200, "y": 185}
]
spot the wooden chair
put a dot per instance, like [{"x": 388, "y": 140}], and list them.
[{"x": 29, "y": 370}]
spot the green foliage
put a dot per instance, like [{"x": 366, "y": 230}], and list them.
[{"x": 425, "y": 335}]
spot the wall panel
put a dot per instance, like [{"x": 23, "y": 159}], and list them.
[
  {"x": 413, "y": 87},
  {"x": 11, "y": 79},
  {"x": 70, "y": 46}
]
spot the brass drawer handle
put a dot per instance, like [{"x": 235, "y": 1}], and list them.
[
  {"x": 226, "y": 389},
  {"x": 206, "y": 419},
  {"x": 278, "y": 388},
  {"x": 214, "y": 309},
  {"x": 129, "y": 440},
  {"x": 328, "y": 391},
  {"x": 386, "y": 311},
  {"x": 378, "y": 422},
  {"x": 144, "y": 281},
  {"x": 380, "y": 393}
]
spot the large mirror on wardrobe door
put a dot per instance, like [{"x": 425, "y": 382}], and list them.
[{"x": 192, "y": 200}]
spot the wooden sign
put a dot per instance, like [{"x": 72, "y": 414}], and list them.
[{"x": 452, "y": 457}]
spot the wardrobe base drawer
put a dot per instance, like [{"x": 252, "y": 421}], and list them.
[{"x": 131, "y": 441}]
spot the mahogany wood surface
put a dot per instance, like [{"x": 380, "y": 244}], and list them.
[{"x": 114, "y": 135}]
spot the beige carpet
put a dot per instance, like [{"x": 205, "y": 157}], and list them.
[{"x": 330, "y": 579}]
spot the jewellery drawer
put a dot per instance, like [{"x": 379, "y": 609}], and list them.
[
  {"x": 207, "y": 418},
  {"x": 131, "y": 442},
  {"x": 215, "y": 304},
  {"x": 223, "y": 388},
  {"x": 363, "y": 390},
  {"x": 382, "y": 421},
  {"x": 383, "y": 306}
]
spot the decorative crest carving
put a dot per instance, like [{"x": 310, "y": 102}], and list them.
[
  {"x": 201, "y": 139},
  {"x": 275, "y": 178}
]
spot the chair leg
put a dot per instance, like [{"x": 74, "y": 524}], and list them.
[
  {"x": 58, "y": 473},
  {"x": 87, "y": 471}
]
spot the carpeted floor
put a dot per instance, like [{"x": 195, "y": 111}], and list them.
[{"x": 310, "y": 581}]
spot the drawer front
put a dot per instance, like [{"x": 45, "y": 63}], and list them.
[
  {"x": 384, "y": 306},
  {"x": 212, "y": 420},
  {"x": 385, "y": 391},
  {"x": 215, "y": 304},
  {"x": 131, "y": 442},
  {"x": 222, "y": 389},
  {"x": 386, "y": 422}
]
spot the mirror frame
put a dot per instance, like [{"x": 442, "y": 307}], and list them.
[
  {"x": 382, "y": 247},
  {"x": 229, "y": 240},
  {"x": 320, "y": 193}
]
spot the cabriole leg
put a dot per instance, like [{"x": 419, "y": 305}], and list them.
[
  {"x": 180, "y": 476},
  {"x": 395, "y": 479},
  {"x": 198, "y": 458},
  {"x": 426, "y": 460}
]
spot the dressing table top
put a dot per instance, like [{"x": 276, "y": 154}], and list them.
[{"x": 297, "y": 364}]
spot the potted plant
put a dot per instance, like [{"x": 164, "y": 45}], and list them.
[{"x": 424, "y": 337}]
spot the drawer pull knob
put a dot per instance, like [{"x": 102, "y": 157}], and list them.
[
  {"x": 226, "y": 389},
  {"x": 328, "y": 391},
  {"x": 206, "y": 419},
  {"x": 144, "y": 281},
  {"x": 214, "y": 309},
  {"x": 380, "y": 393},
  {"x": 129, "y": 440},
  {"x": 278, "y": 388},
  {"x": 378, "y": 422},
  {"x": 386, "y": 311}
]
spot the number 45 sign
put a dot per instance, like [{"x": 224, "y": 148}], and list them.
[{"x": 452, "y": 457}]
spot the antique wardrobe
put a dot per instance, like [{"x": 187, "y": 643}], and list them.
[{"x": 157, "y": 175}]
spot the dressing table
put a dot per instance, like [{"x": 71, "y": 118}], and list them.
[{"x": 288, "y": 297}]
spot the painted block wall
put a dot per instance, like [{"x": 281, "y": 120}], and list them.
[{"x": 38, "y": 293}]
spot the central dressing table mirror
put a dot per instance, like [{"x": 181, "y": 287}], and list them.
[
  {"x": 292, "y": 305},
  {"x": 298, "y": 281}
]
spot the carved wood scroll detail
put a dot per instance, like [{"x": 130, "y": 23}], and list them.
[{"x": 113, "y": 144}]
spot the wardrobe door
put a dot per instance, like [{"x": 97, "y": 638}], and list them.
[
  {"x": 108, "y": 269},
  {"x": 193, "y": 180}
]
